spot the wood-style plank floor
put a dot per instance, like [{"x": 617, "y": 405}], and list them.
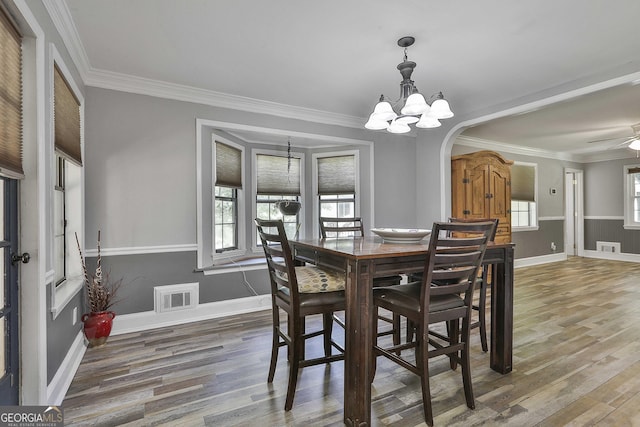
[{"x": 576, "y": 362}]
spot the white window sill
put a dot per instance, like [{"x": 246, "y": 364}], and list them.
[
  {"x": 243, "y": 261},
  {"x": 631, "y": 226},
  {"x": 63, "y": 293},
  {"x": 516, "y": 229}
]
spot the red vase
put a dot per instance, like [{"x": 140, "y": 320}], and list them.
[{"x": 97, "y": 327}]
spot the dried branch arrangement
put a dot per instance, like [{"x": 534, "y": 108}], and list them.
[{"x": 100, "y": 290}]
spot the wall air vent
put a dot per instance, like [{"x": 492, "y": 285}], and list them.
[
  {"x": 612, "y": 247},
  {"x": 176, "y": 297}
]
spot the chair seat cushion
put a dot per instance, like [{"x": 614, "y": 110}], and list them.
[
  {"x": 313, "y": 280},
  {"x": 408, "y": 297}
]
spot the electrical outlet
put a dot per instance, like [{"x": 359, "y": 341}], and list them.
[
  {"x": 74, "y": 316},
  {"x": 553, "y": 246}
]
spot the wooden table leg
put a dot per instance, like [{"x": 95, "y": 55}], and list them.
[
  {"x": 502, "y": 314},
  {"x": 357, "y": 363}
]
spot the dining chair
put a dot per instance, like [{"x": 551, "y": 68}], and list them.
[
  {"x": 485, "y": 280},
  {"x": 453, "y": 260},
  {"x": 354, "y": 227},
  {"x": 299, "y": 291}
]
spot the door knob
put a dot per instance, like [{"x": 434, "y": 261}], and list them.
[{"x": 24, "y": 258}]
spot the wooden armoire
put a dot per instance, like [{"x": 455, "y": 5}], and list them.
[{"x": 481, "y": 188}]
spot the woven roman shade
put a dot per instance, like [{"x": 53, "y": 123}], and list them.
[
  {"x": 66, "y": 113},
  {"x": 523, "y": 183},
  {"x": 228, "y": 166},
  {"x": 337, "y": 175},
  {"x": 10, "y": 99},
  {"x": 272, "y": 177}
]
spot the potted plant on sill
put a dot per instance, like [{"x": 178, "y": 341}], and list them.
[{"x": 100, "y": 293}]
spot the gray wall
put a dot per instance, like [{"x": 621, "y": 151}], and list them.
[
  {"x": 604, "y": 182},
  {"x": 141, "y": 189}
]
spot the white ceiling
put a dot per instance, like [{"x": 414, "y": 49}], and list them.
[{"x": 337, "y": 56}]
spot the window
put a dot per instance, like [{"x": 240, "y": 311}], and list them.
[
  {"x": 632, "y": 197},
  {"x": 524, "y": 213},
  {"x": 59, "y": 223},
  {"x": 66, "y": 185},
  {"x": 337, "y": 185},
  {"x": 278, "y": 178},
  {"x": 228, "y": 173}
]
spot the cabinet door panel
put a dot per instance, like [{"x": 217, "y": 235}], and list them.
[{"x": 476, "y": 190}]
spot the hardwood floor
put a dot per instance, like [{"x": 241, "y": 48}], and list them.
[{"x": 576, "y": 362}]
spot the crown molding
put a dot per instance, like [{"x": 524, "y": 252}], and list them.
[
  {"x": 143, "y": 86},
  {"x": 590, "y": 157},
  {"x": 486, "y": 144},
  {"x": 63, "y": 22}
]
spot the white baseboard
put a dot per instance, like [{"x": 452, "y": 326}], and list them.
[
  {"x": 57, "y": 388},
  {"x": 537, "y": 260},
  {"x": 136, "y": 322},
  {"x": 612, "y": 256}
]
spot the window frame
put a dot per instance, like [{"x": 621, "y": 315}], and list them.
[
  {"x": 629, "y": 196},
  {"x": 63, "y": 292},
  {"x": 533, "y": 212},
  {"x": 240, "y": 250},
  {"x": 317, "y": 203},
  {"x": 256, "y": 245}
]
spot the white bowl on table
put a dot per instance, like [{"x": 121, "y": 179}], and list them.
[{"x": 401, "y": 235}]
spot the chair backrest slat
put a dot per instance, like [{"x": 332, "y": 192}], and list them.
[
  {"x": 279, "y": 258},
  {"x": 456, "y": 251},
  {"x": 338, "y": 227}
]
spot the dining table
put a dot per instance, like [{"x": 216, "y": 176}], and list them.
[{"x": 363, "y": 259}]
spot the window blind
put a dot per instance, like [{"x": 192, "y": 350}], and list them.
[
  {"x": 272, "y": 177},
  {"x": 66, "y": 116},
  {"x": 228, "y": 166},
  {"x": 10, "y": 99},
  {"x": 633, "y": 170},
  {"x": 337, "y": 175},
  {"x": 523, "y": 183}
]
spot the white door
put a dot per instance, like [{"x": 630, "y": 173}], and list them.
[{"x": 574, "y": 213}]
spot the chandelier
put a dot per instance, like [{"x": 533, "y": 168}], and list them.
[{"x": 412, "y": 105}]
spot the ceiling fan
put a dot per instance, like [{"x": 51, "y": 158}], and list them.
[{"x": 632, "y": 141}]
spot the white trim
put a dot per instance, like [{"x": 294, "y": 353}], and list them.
[
  {"x": 64, "y": 23},
  {"x": 612, "y": 256},
  {"x": 143, "y": 321},
  {"x": 537, "y": 260},
  {"x": 486, "y": 144},
  {"x": 142, "y": 250},
  {"x": 605, "y": 217},
  {"x": 518, "y": 229},
  {"x": 63, "y": 293},
  {"x": 629, "y": 196},
  {"x": 33, "y": 299},
  {"x": 229, "y": 126},
  {"x": 59, "y": 385},
  {"x": 235, "y": 268},
  {"x": 551, "y": 218}
]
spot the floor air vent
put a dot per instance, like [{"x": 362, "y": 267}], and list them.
[{"x": 175, "y": 297}]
